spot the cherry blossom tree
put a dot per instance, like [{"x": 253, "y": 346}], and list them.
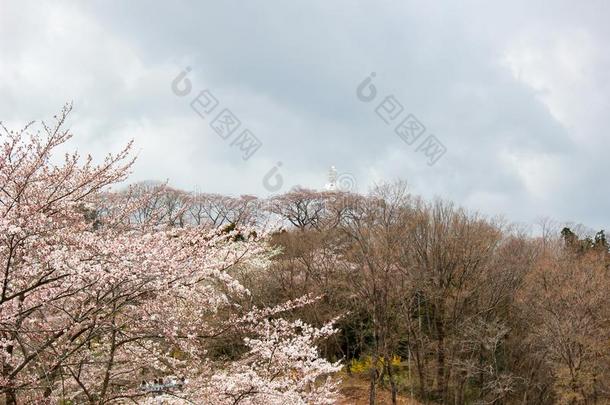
[{"x": 94, "y": 302}]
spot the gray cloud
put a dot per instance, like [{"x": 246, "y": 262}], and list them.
[{"x": 517, "y": 93}]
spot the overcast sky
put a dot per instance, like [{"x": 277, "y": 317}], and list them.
[{"x": 517, "y": 92}]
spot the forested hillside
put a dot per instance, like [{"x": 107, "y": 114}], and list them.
[{"x": 146, "y": 293}]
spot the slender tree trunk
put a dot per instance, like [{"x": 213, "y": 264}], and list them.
[
  {"x": 460, "y": 391},
  {"x": 410, "y": 375},
  {"x": 441, "y": 375},
  {"x": 421, "y": 375},
  {"x": 373, "y": 376},
  {"x": 393, "y": 386}
]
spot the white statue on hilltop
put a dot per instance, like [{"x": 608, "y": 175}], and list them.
[{"x": 332, "y": 179}]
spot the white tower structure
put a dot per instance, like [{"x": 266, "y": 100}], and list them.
[{"x": 332, "y": 179}]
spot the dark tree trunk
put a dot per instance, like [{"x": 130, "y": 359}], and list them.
[
  {"x": 392, "y": 379},
  {"x": 441, "y": 375},
  {"x": 373, "y": 377}
]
